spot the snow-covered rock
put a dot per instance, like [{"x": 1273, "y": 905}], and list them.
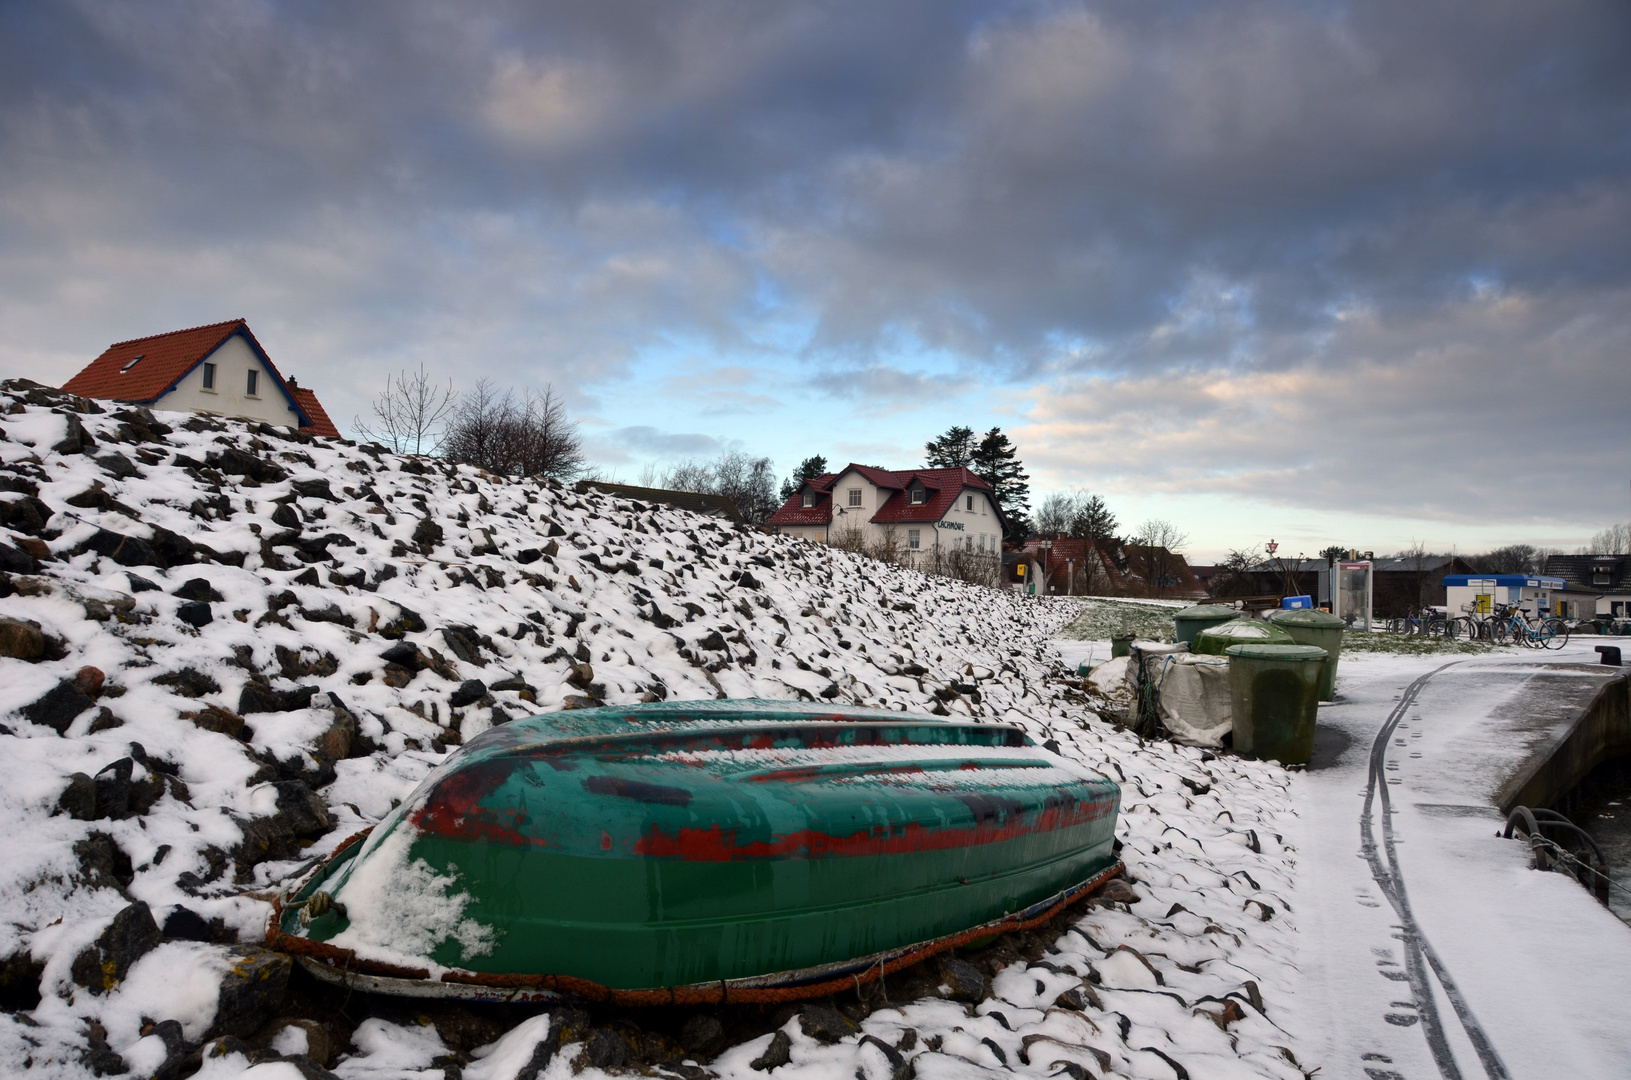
[{"x": 239, "y": 647}]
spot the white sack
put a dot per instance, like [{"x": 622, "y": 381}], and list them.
[{"x": 1193, "y": 697}]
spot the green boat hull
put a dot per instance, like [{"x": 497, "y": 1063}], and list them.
[{"x": 705, "y": 842}]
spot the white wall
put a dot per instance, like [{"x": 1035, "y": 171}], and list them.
[{"x": 233, "y": 362}]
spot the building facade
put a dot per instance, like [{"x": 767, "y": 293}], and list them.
[
  {"x": 218, "y": 369},
  {"x": 918, "y": 510}
]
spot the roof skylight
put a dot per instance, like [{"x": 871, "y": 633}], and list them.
[{"x": 132, "y": 363}]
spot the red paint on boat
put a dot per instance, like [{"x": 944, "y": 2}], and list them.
[{"x": 716, "y": 844}]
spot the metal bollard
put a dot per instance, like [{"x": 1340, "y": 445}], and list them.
[{"x": 1610, "y": 655}]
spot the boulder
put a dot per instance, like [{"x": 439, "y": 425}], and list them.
[
  {"x": 20, "y": 981},
  {"x": 215, "y": 718},
  {"x": 16, "y": 561},
  {"x": 825, "y": 1024},
  {"x": 197, "y": 589},
  {"x": 113, "y": 789},
  {"x": 78, "y": 800},
  {"x": 468, "y": 693},
  {"x": 251, "y": 990},
  {"x": 22, "y": 640},
  {"x": 963, "y": 980},
  {"x": 130, "y": 936},
  {"x": 59, "y": 707},
  {"x": 196, "y": 614},
  {"x": 777, "y": 1054},
  {"x": 302, "y": 809},
  {"x": 124, "y": 550}
]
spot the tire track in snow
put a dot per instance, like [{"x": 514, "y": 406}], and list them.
[{"x": 1390, "y": 879}]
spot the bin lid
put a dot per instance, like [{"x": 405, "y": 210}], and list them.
[
  {"x": 1294, "y": 653},
  {"x": 1245, "y": 630},
  {"x": 1312, "y": 618},
  {"x": 1207, "y": 611}
]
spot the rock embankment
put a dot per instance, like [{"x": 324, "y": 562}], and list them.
[{"x": 224, "y": 647}]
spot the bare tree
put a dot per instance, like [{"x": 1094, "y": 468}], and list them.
[
  {"x": 1054, "y": 515},
  {"x": 532, "y": 436},
  {"x": 1512, "y": 559},
  {"x": 409, "y": 415},
  {"x": 1614, "y": 540},
  {"x": 748, "y": 482},
  {"x": 1156, "y": 553}
]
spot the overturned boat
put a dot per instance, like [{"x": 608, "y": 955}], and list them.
[{"x": 702, "y": 851}]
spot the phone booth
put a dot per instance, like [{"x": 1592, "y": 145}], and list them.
[{"x": 1354, "y": 594}]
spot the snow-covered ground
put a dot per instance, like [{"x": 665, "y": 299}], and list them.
[
  {"x": 196, "y": 698},
  {"x": 1428, "y": 947},
  {"x": 204, "y": 701}
]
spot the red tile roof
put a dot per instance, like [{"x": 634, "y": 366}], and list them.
[
  {"x": 320, "y": 423},
  {"x": 794, "y": 512},
  {"x": 944, "y": 486},
  {"x": 145, "y": 369}
]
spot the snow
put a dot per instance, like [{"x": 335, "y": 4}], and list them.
[
  {"x": 1250, "y": 948},
  {"x": 400, "y": 910}
]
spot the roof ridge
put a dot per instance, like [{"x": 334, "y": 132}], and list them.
[{"x": 172, "y": 333}]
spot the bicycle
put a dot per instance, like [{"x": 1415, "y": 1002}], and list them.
[{"x": 1512, "y": 624}]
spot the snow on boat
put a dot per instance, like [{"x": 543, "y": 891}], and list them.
[{"x": 703, "y": 851}]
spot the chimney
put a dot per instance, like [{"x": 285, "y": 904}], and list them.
[{"x": 294, "y": 384}]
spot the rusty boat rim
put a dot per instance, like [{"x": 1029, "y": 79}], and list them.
[{"x": 343, "y": 967}]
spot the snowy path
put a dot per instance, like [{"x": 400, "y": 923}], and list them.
[{"x": 1430, "y": 949}]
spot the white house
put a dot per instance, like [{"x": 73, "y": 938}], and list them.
[
  {"x": 915, "y": 510},
  {"x": 219, "y": 369}
]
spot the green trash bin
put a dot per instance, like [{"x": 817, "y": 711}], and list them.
[
  {"x": 1192, "y": 620},
  {"x": 1214, "y": 639},
  {"x": 1121, "y": 645},
  {"x": 1274, "y": 696},
  {"x": 1310, "y": 626}
]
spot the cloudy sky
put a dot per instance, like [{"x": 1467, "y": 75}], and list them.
[{"x": 1325, "y": 272}]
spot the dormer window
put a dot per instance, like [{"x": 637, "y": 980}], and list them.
[
  {"x": 808, "y": 500},
  {"x": 919, "y": 496},
  {"x": 1602, "y": 574},
  {"x": 133, "y": 362}
]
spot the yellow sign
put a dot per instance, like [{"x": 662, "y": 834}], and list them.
[
  {"x": 1020, "y": 569},
  {"x": 1480, "y": 603}
]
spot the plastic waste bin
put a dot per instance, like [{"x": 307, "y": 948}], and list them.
[
  {"x": 1192, "y": 620},
  {"x": 1120, "y": 644},
  {"x": 1274, "y": 700},
  {"x": 1319, "y": 628},
  {"x": 1215, "y": 639}
]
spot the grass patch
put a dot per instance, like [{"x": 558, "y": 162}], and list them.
[
  {"x": 1355, "y": 642},
  {"x": 1102, "y": 618}
]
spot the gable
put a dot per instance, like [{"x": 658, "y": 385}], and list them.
[{"x": 146, "y": 369}]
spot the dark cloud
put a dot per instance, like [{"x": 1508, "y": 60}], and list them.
[
  {"x": 664, "y": 444},
  {"x": 1086, "y": 199}
]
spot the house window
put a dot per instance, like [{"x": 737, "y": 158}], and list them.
[
  {"x": 914, "y": 538},
  {"x": 917, "y": 496},
  {"x": 209, "y": 376},
  {"x": 809, "y": 499},
  {"x": 855, "y": 496},
  {"x": 254, "y": 380},
  {"x": 971, "y": 504},
  {"x": 968, "y": 543},
  {"x": 133, "y": 362}
]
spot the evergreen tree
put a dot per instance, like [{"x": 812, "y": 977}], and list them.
[
  {"x": 953, "y": 450},
  {"x": 996, "y": 461},
  {"x": 810, "y": 468},
  {"x": 1093, "y": 521}
]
